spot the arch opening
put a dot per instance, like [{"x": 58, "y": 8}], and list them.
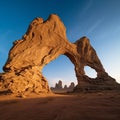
[
  {"x": 60, "y": 69},
  {"x": 90, "y": 72}
]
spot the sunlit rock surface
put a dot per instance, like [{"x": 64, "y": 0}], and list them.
[{"x": 43, "y": 42}]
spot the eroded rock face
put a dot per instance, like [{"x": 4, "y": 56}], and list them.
[
  {"x": 43, "y": 42},
  {"x": 58, "y": 85}
]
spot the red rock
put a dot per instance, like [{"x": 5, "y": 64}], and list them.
[{"x": 43, "y": 42}]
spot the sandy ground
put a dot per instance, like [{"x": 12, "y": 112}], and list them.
[{"x": 83, "y": 106}]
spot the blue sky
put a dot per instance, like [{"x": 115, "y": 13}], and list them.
[{"x": 99, "y": 20}]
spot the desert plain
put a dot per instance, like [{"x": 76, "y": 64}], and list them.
[{"x": 79, "y": 106}]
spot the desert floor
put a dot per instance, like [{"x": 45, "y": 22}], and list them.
[{"x": 82, "y": 106}]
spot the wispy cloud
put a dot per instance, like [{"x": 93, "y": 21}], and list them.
[
  {"x": 94, "y": 26},
  {"x": 86, "y": 7},
  {"x": 112, "y": 31}
]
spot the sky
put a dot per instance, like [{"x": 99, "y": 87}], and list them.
[{"x": 99, "y": 20}]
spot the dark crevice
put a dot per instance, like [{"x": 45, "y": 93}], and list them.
[{"x": 33, "y": 34}]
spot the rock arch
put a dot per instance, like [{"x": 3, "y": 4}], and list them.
[
  {"x": 43, "y": 42},
  {"x": 58, "y": 69}
]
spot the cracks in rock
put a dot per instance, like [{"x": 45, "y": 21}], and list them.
[
  {"x": 18, "y": 72},
  {"x": 51, "y": 52}
]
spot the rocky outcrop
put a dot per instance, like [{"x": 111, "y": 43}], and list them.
[
  {"x": 43, "y": 42},
  {"x": 60, "y": 89},
  {"x": 58, "y": 85},
  {"x": 72, "y": 85}
]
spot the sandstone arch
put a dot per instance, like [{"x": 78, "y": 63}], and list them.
[
  {"x": 60, "y": 69},
  {"x": 43, "y": 42}
]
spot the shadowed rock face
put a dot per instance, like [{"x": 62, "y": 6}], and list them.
[{"x": 43, "y": 42}]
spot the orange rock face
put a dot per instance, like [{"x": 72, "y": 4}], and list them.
[{"x": 43, "y": 42}]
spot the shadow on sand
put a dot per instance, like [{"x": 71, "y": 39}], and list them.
[{"x": 84, "y": 106}]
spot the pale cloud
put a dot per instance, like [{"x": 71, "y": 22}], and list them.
[
  {"x": 86, "y": 7},
  {"x": 94, "y": 26}
]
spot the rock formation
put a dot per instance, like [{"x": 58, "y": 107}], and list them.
[
  {"x": 72, "y": 85},
  {"x": 58, "y": 85},
  {"x": 65, "y": 87},
  {"x": 43, "y": 42},
  {"x": 60, "y": 89}
]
